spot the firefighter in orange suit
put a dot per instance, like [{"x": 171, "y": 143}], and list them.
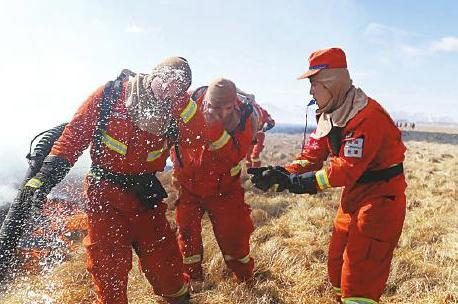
[
  {"x": 365, "y": 153},
  {"x": 129, "y": 143},
  {"x": 208, "y": 179}
]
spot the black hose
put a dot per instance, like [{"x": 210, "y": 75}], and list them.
[
  {"x": 19, "y": 212},
  {"x": 42, "y": 148}
]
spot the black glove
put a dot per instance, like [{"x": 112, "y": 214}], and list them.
[
  {"x": 54, "y": 170},
  {"x": 279, "y": 179},
  {"x": 149, "y": 190},
  {"x": 275, "y": 178},
  {"x": 303, "y": 183},
  {"x": 256, "y": 172}
]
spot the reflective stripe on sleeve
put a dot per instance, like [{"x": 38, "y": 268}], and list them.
[
  {"x": 358, "y": 300},
  {"x": 236, "y": 169},
  {"x": 255, "y": 160},
  {"x": 301, "y": 162},
  {"x": 153, "y": 155},
  {"x": 34, "y": 183},
  {"x": 189, "y": 111},
  {"x": 192, "y": 259},
  {"x": 322, "y": 179},
  {"x": 182, "y": 291},
  {"x": 220, "y": 142},
  {"x": 114, "y": 144}
]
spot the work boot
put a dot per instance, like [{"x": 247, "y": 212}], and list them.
[
  {"x": 243, "y": 278},
  {"x": 243, "y": 272}
]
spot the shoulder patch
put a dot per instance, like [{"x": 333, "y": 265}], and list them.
[{"x": 354, "y": 147}]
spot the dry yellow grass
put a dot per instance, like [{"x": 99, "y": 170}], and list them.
[{"x": 291, "y": 239}]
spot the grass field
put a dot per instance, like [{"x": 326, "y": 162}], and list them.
[{"x": 291, "y": 239}]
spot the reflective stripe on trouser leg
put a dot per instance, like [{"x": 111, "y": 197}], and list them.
[
  {"x": 182, "y": 291},
  {"x": 192, "y": 266},
  {"x": 188, "y": 217},
  {"x": 337, "y": 290},
  {"x": 244, "y": 260},
  {"x": 358, "y": 300},
  {"x": 192, "y": 259},
  {"x": 242, "y": 268}
]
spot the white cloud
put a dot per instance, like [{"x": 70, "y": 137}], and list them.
[
  {"x": 395, "y": 43},
  {"x": 133, "y": 28},
  {"x": 384, "y": 34},
  {"x": 445, "y": 44},
  {"x": 413, "y": 52}
]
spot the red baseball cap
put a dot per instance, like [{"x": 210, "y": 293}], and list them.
[{"x": 332, "y": 58}]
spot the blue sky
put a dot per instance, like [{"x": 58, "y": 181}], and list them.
[{"x": 55, "y": 53}]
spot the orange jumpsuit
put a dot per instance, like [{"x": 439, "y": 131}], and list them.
[
  {"x": 117, "y": 220},
  {"x": 254, "y": 151},
  {"x": 371, "y": 215},
  {"x": 209, "y": 181}
]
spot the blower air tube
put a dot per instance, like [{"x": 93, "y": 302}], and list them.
[{"x": 19, "y": 212}]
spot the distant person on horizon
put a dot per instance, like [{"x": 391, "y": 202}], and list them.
[{"x": 365, "y": 156}]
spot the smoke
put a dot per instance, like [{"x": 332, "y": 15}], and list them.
[{"x": 7, "y": 193}]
